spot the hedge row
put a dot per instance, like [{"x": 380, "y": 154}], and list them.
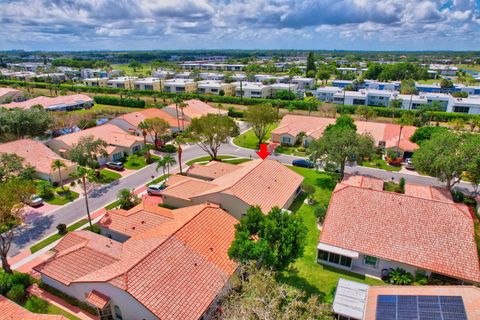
[
  {"x": 295, "y": 104},
  {"x": 132, "y": 103},
  {"x": 438, "y": 116},
  {"x": 73, "y": 301}
]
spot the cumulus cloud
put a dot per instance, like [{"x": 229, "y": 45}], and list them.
[{"x": 131, "y": 24}]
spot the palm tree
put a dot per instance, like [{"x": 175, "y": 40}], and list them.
[
  {"x": 177, "y": 101},
  {"x": 58, "y": 164},
  {"x": 127, "y": 199},
  {"x": 161, "y": 163},
  {"x": 183, "y": 105},
  {"x": 144, "y": 126},
  {"x": 178, "y": 141},
  {"x": 85, "y": 174},
  {"x": 169, "y": 161},
  {"x": 395, "y": 104},
  {"x": 403, "y": 121}
]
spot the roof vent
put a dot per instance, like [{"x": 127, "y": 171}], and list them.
[
  {"x": 133, "y": 228},
  {"x": 195, "y": 264},
  {"x": 143, "y": 222}
]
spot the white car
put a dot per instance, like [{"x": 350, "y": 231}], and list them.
[
  {"x": 155, "y": 189},
  {"x": 35, "y": 201}
]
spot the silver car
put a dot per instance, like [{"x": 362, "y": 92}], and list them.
[
  {"x": 409, "y": 164},
  {"x": 155, "y": 189},
  {"x": 35, "y": 201}
]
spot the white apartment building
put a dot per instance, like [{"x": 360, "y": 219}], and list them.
[
  {"x": 212, "y": 66},
  {"x": 211, "y": 76},
  {"x": 215, "y": 87},
  {"x": 95, "y": 82},
  {"x": 148, "y": 84},
  {"x": 326, "y": 93},
  {"x": 303, "y": 83},
  {"x": 180, "y": 86},
  {"x": 276, "y": 87},
  {"x": 164, "y": 74},
  {"x": 252, "y": 90},
  {"x": 122, "y": 82}
]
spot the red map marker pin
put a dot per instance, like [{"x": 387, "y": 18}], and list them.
[{"x": 263, "y": 153}]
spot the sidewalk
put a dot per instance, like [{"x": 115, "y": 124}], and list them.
[{"x": 56, "y": 301}]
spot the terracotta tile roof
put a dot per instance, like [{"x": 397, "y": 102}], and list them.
[
  {"x": 428, "y": 192},
  {"x": 211, "y": 170},
  {"x": 175, "y": 269},
  {"x": 97, "y": 299},
  {"x": 429, "y": 234},
  {"x": 12, "y": 311},
  {"x": 110, "y": 133},
  {"x": 35, "y": 154},
  {"x": 135, "y": 118},
  {"x": 83, "y": 252},
  {"x": 266, "y": 183},
  {"x": 314, "y": 127},
  {"x": 469, "y": 294},
  {"x": 47, "y": 102},
  {"x": 136, "y": 220},
  {"x": 196, "y": 108},
  {"x": 363, "y": 181}
]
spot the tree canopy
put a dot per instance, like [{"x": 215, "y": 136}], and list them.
[
  {"x": 19, "y": 123},
  {"x": 260, "y": 118},
  {"x": 86, "y": 151},
  {"x": 210, "y": 131},
  {"x": 156, "y": 128},
  {"x": 273, "y": 240}
]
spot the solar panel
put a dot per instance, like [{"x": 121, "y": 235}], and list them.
[{"x": 410, "y": 307}]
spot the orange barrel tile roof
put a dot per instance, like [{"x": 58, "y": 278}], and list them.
[
  {"x": 135, "y": 118},
  {"x": 427, "y": 233},
  {"x": 196, "y": 108},
  {"x": 211, "y": 170},
  {"x": 175, "y": 269},
  {"x": 35, "y": 154},
  {"x": 47, "y": 102},
  {"x": 97, "y": 299}
]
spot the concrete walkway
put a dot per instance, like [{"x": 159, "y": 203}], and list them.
[{"x": 60, "y": 303}]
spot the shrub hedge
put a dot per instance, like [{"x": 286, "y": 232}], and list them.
[
  {"x": 295, "y": 104},
  {"x": 132, "y": 103}
]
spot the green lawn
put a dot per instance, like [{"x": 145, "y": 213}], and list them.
[
  {"x": 139, "y": 163},
  {"x": 249, "y": 140},
  {"x": 206, "y": 159},
  {"x": 42, "y": 244},
  {"x": 306, "y": 274},
  {"x": 474, "y": 67},
  {"x": 157, "y": 180},
  {"x": 143, "y": 70},
  {"x": 290, "y": 150},
  {"x": 105, "y": 108},
  {"x": 60, "y": 200},
  {"x": 380, "y": 164},
  {"x": 108, "y": 176},
  {"x": 38, "y": 305}
]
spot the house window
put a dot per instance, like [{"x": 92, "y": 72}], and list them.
[
  {"x": 135, "y": 149},
  {"x": 334, "y": 258},
  {"x": 370, "y": 261},
  {"x": 118, "y": 313},
  {"x": 117, "y": 156},
  {"x": 286, "y": 139},
  {"x": 461, "y": 109}
]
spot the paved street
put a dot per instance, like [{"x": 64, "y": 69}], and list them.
[{"x": 36, "y": 229}]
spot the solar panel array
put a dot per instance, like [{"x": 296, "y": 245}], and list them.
[{"x": 409, "y": 307}]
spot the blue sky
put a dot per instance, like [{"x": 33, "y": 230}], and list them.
[{"x": 240, "y": 24}]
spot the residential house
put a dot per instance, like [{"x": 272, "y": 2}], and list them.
[
  {"x": 148, "y": 84},
  {"x": 12, "y": 311},
  {"x": 252, "y": 90},
  {"x": 265, "y": 183},
  {"x": 120, "y": 142},
  {"x": 212, "y": 66},
  {"x": 40, "y": 157},
  {"x": 180, "y": 86},
  {"x": 358, "y": 301},
  {"x": 130, "y": 122},
  {"x": 96, "y": 82},
  {"x": 9, "y": 95},
  {"x": 152, "y": 263},
  {"x": 215, "y": 87},
  {"x": 368, "y": 230},
  {"x": 122, "y": 83},
  {"x": 385, "y": 135},
  {"x": 60, "y": 103},
  {"x": 194, "y": 109},
  {"x": 212, "y": 76}
]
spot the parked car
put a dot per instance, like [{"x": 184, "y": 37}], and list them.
[
  {"x": 35, "y": 201},
  {"x": 115, "y": 165},
  {"x": 303, "y": 163},
  {"x": 155, "y": 189},
  {"x": 409, "y": 164}
]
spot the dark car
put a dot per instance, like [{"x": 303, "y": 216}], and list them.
[
  {"x": 303, "y": 163},
  {"x": 115, "y": 165}
]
